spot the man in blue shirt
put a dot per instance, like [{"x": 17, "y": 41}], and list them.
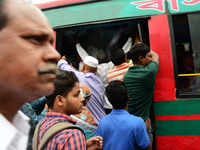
[{"x": 121, "y": 130}]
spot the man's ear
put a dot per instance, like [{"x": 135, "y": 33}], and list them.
[
  {"x": 96, "y": 70},
  {"x": 59, "y": 100},
  {"x": 83, "y": 68},
  {"x": 140, "y": 58},
  {"x": 125, "y": 60},
  {"x": 128, "y": 98}
]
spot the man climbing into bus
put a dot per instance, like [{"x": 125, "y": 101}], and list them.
[
  {"x": 140, "y": 80},
  {"x": 87, "y": 76},
  {"x": 105, "y": 66}
]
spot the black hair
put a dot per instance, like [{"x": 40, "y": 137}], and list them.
[
  {"x": 117, "y": 94},
  {"x": 3, "y": 15},
  {"x": 102, "y": 57},
  {"x": 137, "y": 50},
  {"x": 74, "y": 61},
  {"x": 64, "y": 82},
  {"x": 117, "y": 55}
]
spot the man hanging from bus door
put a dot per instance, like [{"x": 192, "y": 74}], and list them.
[{"x": 140, "y": 80}]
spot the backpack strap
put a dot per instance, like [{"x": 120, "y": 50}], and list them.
[
  {"x": 53, "y": 130},
  {"x": 35, "y": 136}
]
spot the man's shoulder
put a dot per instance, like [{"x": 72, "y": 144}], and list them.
[
  {"x": 153, "y": 63},
  {"x": 135, "y": 119},
  {"x": 68, "y": 132}
]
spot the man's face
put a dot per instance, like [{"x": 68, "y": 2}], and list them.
[
  {"x": 27, "y": 53},
  {"x": 73, "y": 101},
  {"x": 147, "y": 59}
]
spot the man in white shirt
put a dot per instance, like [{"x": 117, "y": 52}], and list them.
[{"x": 27, "y": 65}]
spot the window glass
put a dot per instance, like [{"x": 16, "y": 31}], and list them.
[{"x": 187, "y": 35}]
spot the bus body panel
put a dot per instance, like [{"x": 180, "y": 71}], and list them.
[{"x": 177, "y": 124}]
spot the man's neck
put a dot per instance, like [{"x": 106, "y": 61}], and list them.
[
  {"x": 8, "y": 111},
  {"x": 11, "y": 103}
]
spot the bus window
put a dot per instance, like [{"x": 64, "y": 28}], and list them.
[
  {"x": 187, "y": 35},
  {"x": 95, "y": 37}
]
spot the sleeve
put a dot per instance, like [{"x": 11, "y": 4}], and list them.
[
  {"x": 37, "y": 103},
  {"x": 153, "y": 68},
  {"x": 141, "y": 135},
  {"x": 98, "y": 132},
  {"x": 29, "y": 112},
  {"x": 63, "y": 65},
  {"x": 102, "y": 72},
  {"x": 114, "y": 40},
  {"x": 76, "y": 141},
  {"x": 82, "y": 53},
  {"x": 127, "y": 45}
]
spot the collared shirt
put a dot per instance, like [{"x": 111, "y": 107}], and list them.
[
  {"x": 122, "y": 131},
  {"x": 96, "y": 102},
  {"x": 118, "y": 71},
  {"x": 29, "y": 110},
  {"x": 140, "y": 84},
  {"x": 14, "y": 136},
  {"x": 67, "y": 138}
]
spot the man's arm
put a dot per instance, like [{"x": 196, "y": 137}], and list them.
[
  {"x": 95, "y": 143},
  {"x": 149, "y": 147},
  {"x": 155, "y": 56},
  {"x": 114, "y": 40},
  {"x": 37, "y": 103},
  {"x": 63, "y": 65},
  {"x": 82, "y": 53},
  {"x": 129, "y": 42},
  {"x": 29, "y": 112},
  {"x": 142, "y": 138}
]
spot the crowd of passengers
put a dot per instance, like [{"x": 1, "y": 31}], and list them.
[{"x": 102, "y": 93}]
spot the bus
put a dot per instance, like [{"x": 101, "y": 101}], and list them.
[{"x": 171, "y": 28}]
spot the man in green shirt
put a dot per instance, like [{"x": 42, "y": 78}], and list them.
[{"x": 140, "y": 79}]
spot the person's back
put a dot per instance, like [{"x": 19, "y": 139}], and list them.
[
  {"x": 118, "y": 58},
  {"x": 123, "y": 131},
  {"x": 140, "y": 80},
  {"x": 120, "y": 130}
]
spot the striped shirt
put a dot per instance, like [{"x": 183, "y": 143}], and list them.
[
  {"x": 67, "y": 138},
  {"x": 118, "y": 71}
]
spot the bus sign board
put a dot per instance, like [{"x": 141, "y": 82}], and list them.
[{"x": 174, "y": 6}]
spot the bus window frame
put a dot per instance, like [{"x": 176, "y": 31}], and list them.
[{"x": 178, "y": 95}]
